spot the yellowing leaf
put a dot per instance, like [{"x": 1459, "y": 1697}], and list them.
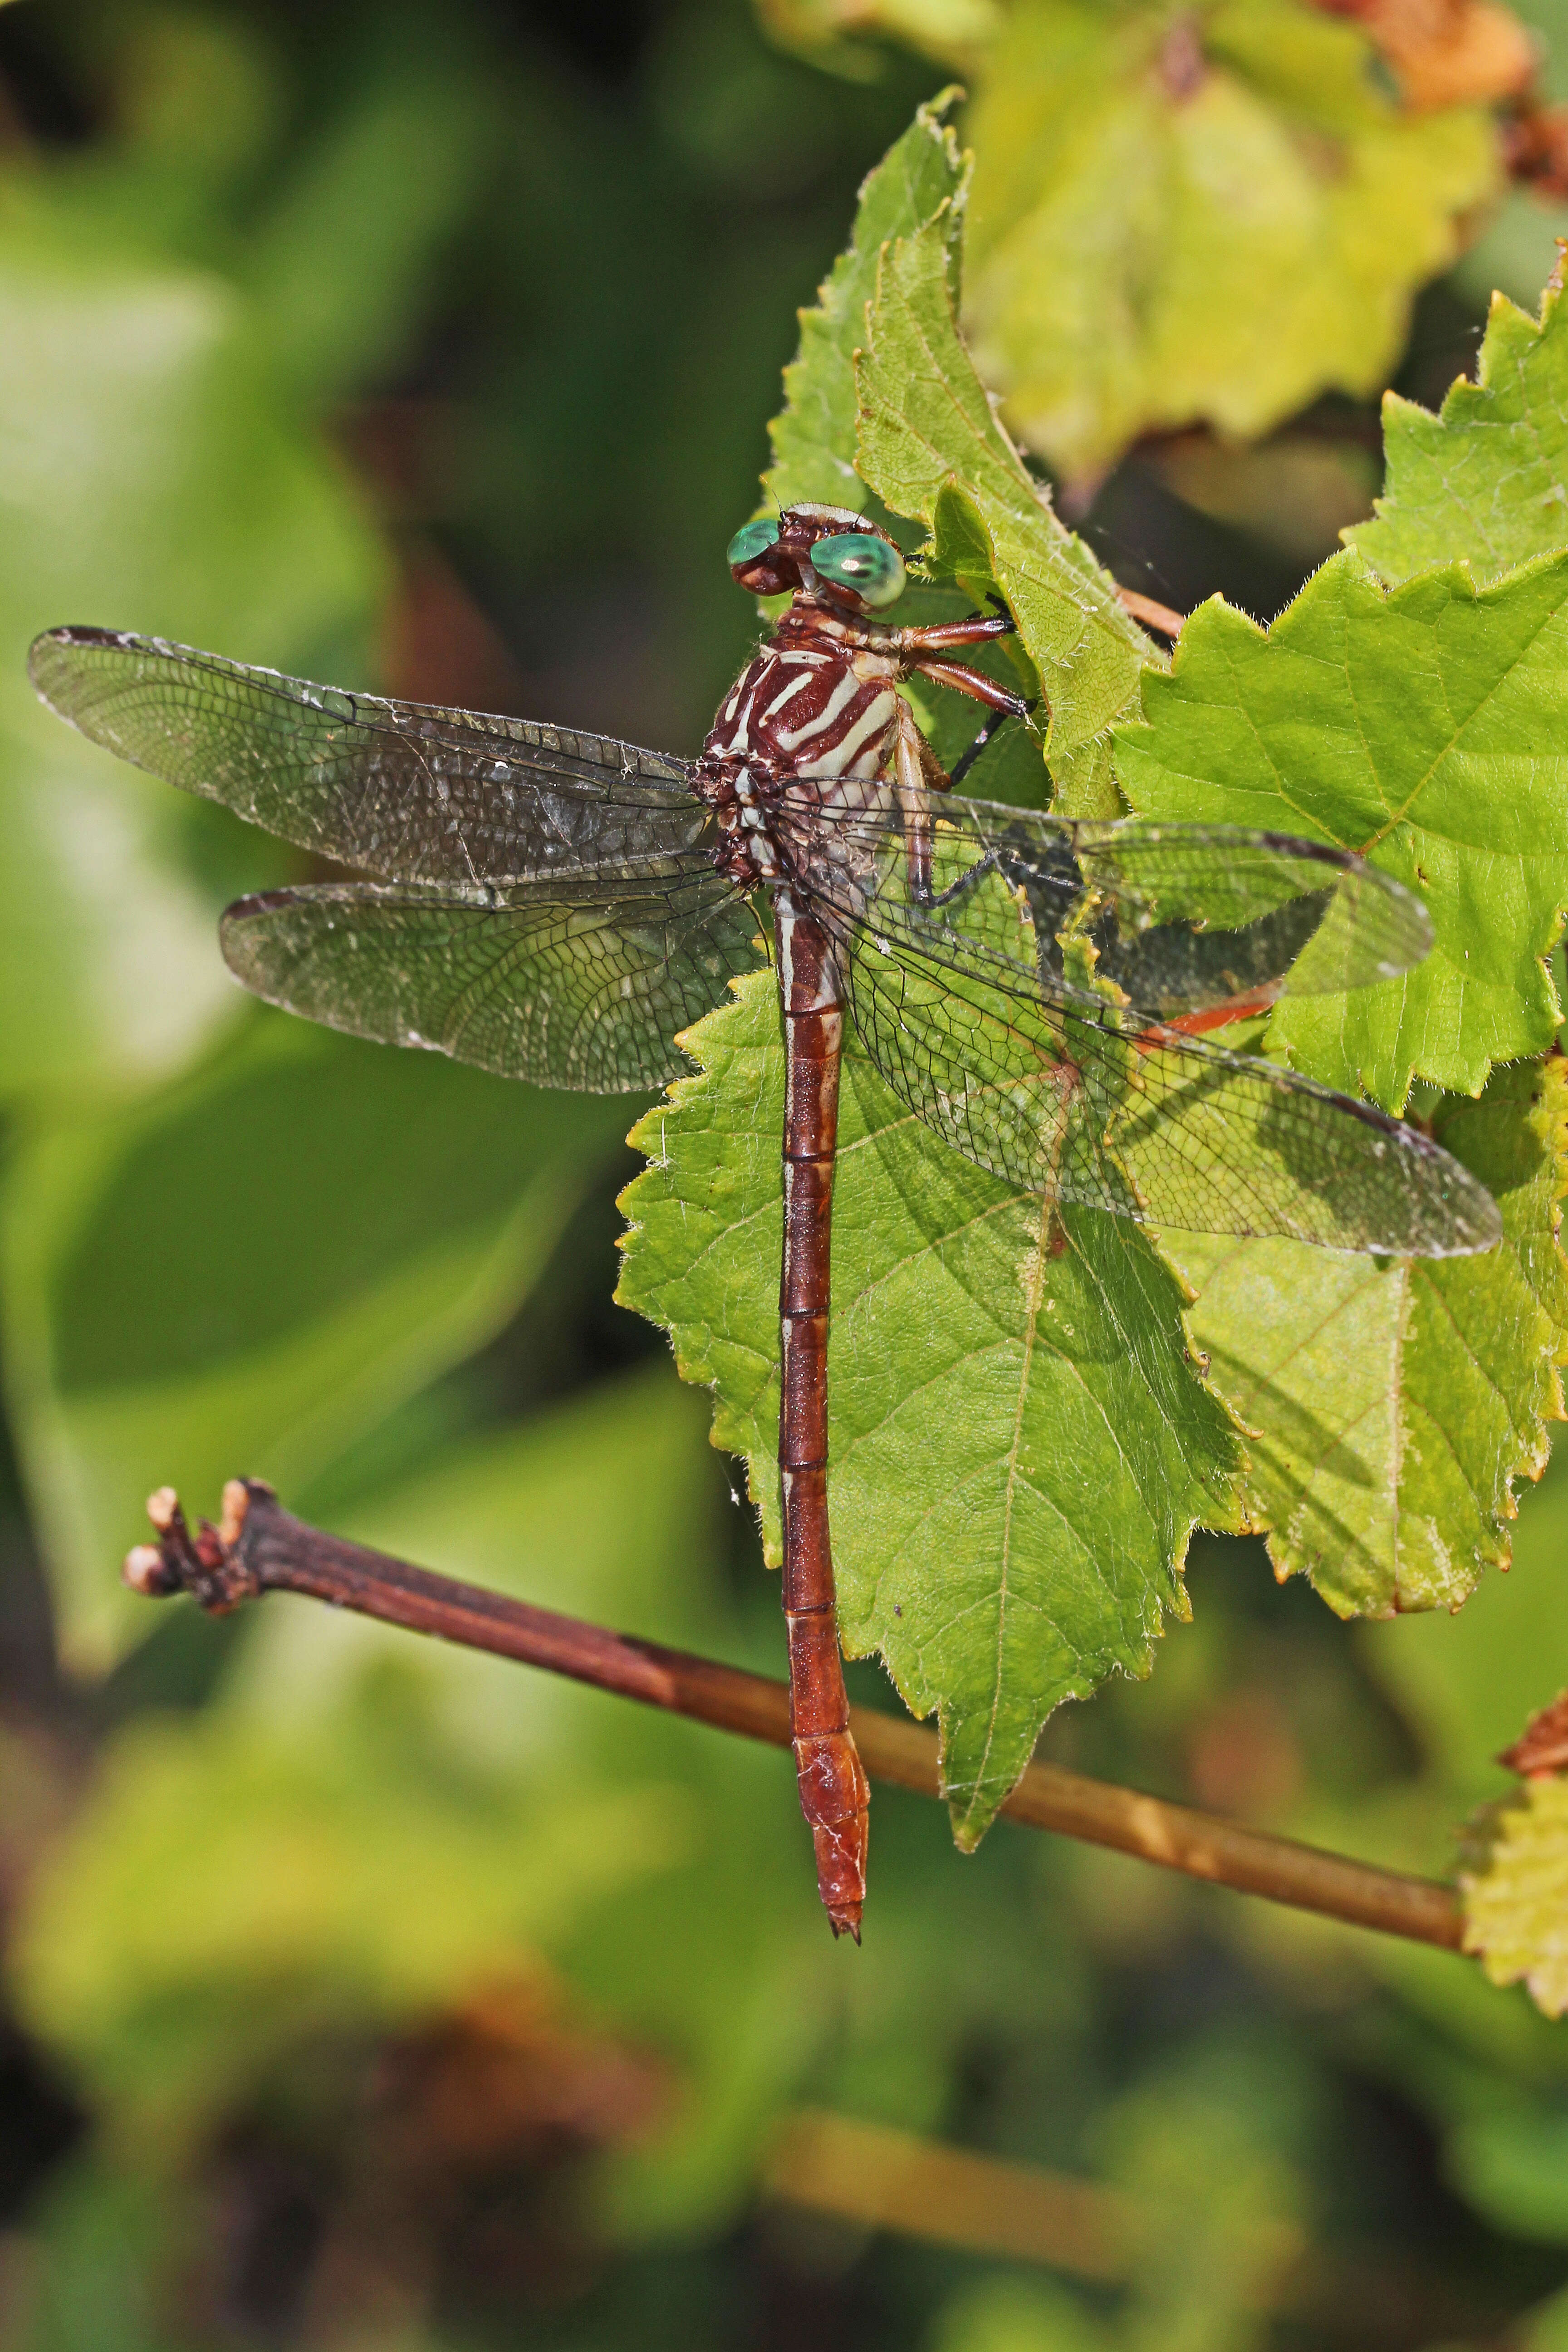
[
  {"x": 955, "y": 32},
  {"x": 1390, "y": 1404},
  {"x": 1211, "y": 215},
  {"x": 1515, "y": 1888}
]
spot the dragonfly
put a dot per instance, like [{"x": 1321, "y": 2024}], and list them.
[{"x": 1047, "y": 997}]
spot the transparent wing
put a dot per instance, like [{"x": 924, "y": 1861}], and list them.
[
  {"x": 1058, "y": 1099},
  {"x": 584, "y": 987},
  {"x": 1170, "y": 918},
  {"x": 405, "y": 791}
]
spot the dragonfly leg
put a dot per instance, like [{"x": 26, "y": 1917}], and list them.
[
  {"x": 915, "y": 768},
  {"x": 966, "y": 759},
  {"x": 974, "y": 683},
  {"x": 989, "y": 864},
  {"x": 915, "y": 764},
  {"x": 1212, "y": 1016},
  {"x": 834, "y": 1793},
  {"x": 977, "y": 630},
  {"x": 1152, "y": 616}
]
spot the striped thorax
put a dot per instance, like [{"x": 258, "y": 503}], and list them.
[{"x": 810, "y": 711}]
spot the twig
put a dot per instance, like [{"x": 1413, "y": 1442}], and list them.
[
  {"x": 875, "y": 2177},
  {"x": 883, "y": 2178},
  {"x": 259, "y": 1548},
  {"x": 1159, "y": 617}
]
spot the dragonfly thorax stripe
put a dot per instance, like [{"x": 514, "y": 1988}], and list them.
[{"x": 827, "y": 719}]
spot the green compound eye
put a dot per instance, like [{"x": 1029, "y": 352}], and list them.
[
  {"x": 859, "y": 560},
  {"x": 752, "y": 538}
]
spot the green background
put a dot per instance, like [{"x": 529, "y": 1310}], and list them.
[{"x": 359, "y": 1993}]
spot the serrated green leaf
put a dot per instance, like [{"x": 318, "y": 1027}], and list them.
[
  {"x": 1018, "y": 1444},
  {"x": 931, "y": 445},
  {"x": 1212, "y": 215},
  {"x": 1390, "y": 1404},
  {"x": 1515, "y": 1886},
  {"x": 922, "y": 178},
  {"x": 1421, "y": 726},
  {"x": 1485, "y": 481}
]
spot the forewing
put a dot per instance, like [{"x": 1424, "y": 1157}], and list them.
[
  {"x": 405, "y": 791},
  {"x": 1156, "y": 1126},
  {"x": 584, "y": 987},
  {"x": 1168, "y": 918}
]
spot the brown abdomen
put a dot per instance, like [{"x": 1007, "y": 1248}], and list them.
[{"x": 834, "y": 1793}]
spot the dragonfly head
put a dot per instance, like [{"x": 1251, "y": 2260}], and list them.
[{"x": 828, "y": 553}]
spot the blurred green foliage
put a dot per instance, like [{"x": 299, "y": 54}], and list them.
[
  {"x": 1182, "y": 215},
  {"x": 366, "y": 1994},
  {"x": 1213, "y": 215}
]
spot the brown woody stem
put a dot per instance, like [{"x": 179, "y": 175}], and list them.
[
  {"x": 260, "y": 1547},
  {"x": 1158, "y": 617}
]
